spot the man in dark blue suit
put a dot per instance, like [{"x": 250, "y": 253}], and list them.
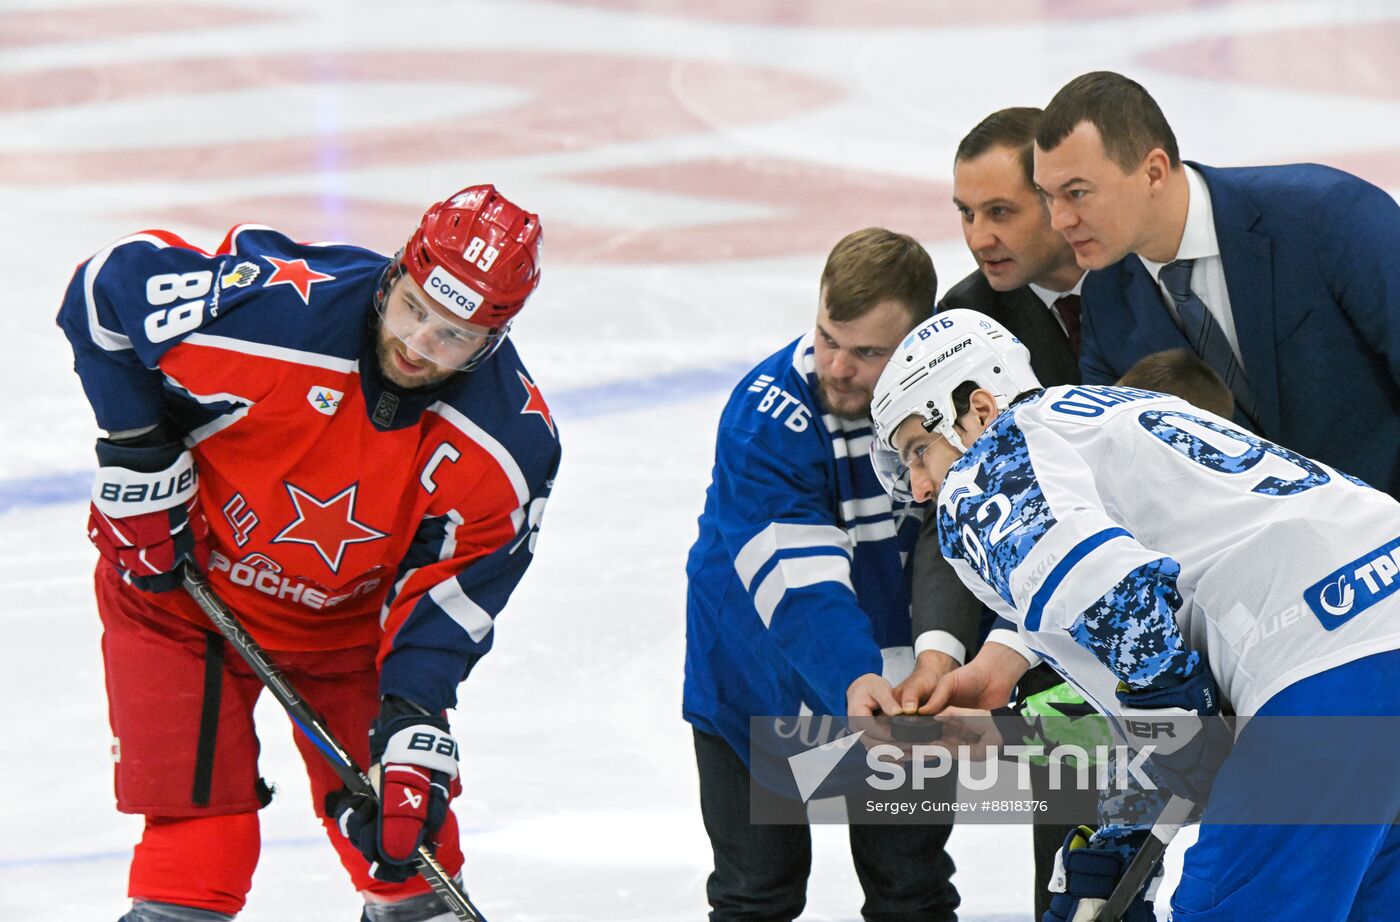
[{"x": 1285, "y": 279}]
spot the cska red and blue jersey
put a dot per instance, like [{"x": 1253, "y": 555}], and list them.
[{"x": 343, "y": 510}]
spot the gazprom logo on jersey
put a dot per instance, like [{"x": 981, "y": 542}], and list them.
[
  {"x": 453, "y": 293},
  {"x": 1350, "y": 590}
]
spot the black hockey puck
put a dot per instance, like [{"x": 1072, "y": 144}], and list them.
[{"x": 915, "y": 728}]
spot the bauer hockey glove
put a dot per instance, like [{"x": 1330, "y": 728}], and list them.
[
  {"x": 1183, "y": 725},
  {"x": 1087, "y": 868},
  {"x": 414, "y": 770},
  {"x": 145, "y": 517}
]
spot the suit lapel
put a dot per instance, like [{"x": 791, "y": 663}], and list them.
[
  {"x": 1153, "y": 326},
  {"x": 1249, "y": 274},
  {"x": 1029, "y": 313},
  {"x": 1027, "y": 317},
  {"x": 1052, "y": 358}
]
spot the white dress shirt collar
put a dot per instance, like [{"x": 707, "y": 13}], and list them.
[
  {"x": 1050, "y": 297},
  {"x": 1198, "y": 239}
]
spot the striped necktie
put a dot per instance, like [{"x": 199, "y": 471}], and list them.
[{"x": 1204, "y": 333}]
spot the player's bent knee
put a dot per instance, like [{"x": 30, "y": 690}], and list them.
[{"x": 202, "y": 862}]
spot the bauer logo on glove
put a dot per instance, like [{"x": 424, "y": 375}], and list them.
[
  {"x": 145, "y": 517},
  {"x": 442, "y": 744},
  {"x": 414, "y": 771}
]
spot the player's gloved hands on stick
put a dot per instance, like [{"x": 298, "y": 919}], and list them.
[
  {"x": 1087, "y": 868},
  {"x": 145, "y": 517},
  {"x": 1183, "y": 725},
  {"x": 414, "y": 768}
]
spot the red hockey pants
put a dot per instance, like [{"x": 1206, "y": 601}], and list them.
[{"x": 181, "y": 708}]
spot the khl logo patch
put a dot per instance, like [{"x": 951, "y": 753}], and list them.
[{"x": 243, "y": 275}]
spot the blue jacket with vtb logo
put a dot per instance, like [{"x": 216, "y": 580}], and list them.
[{"x": 798, "y": 581}]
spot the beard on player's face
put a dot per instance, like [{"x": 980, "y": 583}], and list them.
[
  {"x": 401, "y": 365},
  {"x": 845, "y": 400},
  {"x": 849, "y": 355}
]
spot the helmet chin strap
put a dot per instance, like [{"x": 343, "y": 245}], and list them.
[{"x": 946, "y": 430}]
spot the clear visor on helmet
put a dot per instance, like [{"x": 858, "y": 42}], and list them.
[
  {"x": 892, "y": 472},
  {"x": 428, "y": 330}
]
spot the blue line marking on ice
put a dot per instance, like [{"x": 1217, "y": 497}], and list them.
[
  {"x": 641, "y": 393},
  {"x": 45, "y": 489},
  {"x": 575, "y": 403}
]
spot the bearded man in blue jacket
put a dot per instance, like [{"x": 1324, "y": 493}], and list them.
[{"x": 798, "y": 585}]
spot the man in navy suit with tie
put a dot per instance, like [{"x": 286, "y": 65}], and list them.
[{"x": 1284, "y": 279}]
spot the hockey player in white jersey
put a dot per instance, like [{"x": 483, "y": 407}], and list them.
[{"x": 1167, "y": 563}]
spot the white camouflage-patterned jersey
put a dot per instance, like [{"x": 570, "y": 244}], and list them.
[{"x": 1123, "y": 534}]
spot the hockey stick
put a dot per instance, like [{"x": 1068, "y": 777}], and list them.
[
  {"x": 1144, "y": 864},
  {"x": 315, "y": 729}
]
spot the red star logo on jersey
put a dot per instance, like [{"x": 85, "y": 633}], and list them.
[
  {"x": 327, "y": 525},
  {"x": 534, "y": 403},
  {"x": 297, "y": 273}
]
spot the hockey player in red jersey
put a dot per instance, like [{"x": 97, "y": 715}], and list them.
[{"x": 351, "y": 448}]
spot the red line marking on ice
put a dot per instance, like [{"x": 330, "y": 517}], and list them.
[
  {"x": 1355, "y": 59},
  {"x": 843, "y": 14},
  {"x": 573, "y": 102},
  {"x": 32, "y": 28}
]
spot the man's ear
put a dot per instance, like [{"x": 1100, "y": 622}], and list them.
[
  {"x": 1157, "y": 166},
  {"x": 985, "y": 405}
]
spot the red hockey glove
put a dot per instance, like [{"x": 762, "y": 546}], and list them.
[
  {"x": 145, "y": 517},
  {"x": 415, "y": 772}
]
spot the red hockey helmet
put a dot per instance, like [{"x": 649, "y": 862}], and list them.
[{"x": 477, "y": 254}]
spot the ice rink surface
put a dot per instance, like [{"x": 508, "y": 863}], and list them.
[{"x": 693, "y": 161}]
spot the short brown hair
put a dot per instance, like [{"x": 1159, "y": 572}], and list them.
[
  {"x": 872, "y": 265},
  {"x": 1013, "y": 128},
  {"x": 1181, "y": 373},
  {"x": 1128, "y": 119}
]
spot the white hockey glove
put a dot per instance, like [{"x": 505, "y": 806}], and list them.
[{"x": 1182, "y": 725}]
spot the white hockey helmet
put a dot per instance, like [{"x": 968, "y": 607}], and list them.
[{"x": 941, "y": 353}]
